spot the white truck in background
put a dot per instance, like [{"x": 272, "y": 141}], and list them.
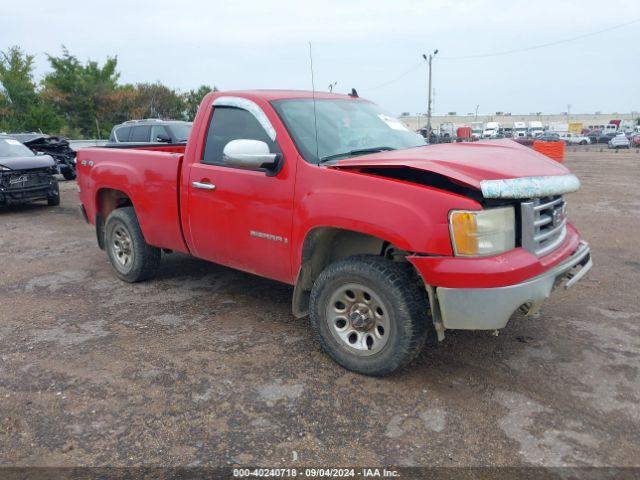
[
  {"x": 491, "y": 130},
  {"x": 476, "y": 130},
  {"x": 535, "y": 128},
  {"x": 519, "y": 130}
]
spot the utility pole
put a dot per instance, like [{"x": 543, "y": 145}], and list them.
[
  {"x": 429, "y": 59},
  {"x": 477, "y": 107}
]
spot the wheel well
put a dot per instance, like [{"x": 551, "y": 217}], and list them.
[
  {"x": 107, "y": 200},
  {"x": 325, "y": 245}
]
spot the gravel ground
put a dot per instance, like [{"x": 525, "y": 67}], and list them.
[{"x": 207, "y": 366}]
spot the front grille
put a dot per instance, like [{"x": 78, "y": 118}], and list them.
[
  {"x": 544, "y": 224},
  {"x": 24, "y": 180}
]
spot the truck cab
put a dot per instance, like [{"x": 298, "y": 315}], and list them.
[
  {"x": 386, "y": 240},
  {"x": 476, "y": 130},
  {"x": 491, "y": 130},
  {"x": 519, "y": 130},
  {"x": 535, "y": 128}
]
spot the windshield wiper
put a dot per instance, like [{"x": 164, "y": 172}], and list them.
[{"x": 358, "y": 151}]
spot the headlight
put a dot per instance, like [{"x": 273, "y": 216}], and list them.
[{"x": 482, "y": 233}]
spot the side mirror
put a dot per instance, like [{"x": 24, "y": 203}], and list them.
[
  {"x": 163, "y": 138},
  {"x": 249, "y": 154}
]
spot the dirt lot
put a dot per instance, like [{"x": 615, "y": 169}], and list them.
[{"x": 206, "y": 366}]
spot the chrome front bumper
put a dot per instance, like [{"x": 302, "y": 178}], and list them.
[{"x": 491, "y": 308}]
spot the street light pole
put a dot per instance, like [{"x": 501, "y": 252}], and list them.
[{"x": 429, "y": 59}]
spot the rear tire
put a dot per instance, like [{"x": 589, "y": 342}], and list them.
[
  {"x": 369, "y": 314},
  {"x": 132, "y": 258}
]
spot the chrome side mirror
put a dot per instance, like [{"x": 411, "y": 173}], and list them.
[{"x": 248, "y": 154}]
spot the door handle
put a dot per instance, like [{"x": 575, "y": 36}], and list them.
[{"x": 204, "y": 186}]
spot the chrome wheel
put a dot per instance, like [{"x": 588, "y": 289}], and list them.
[
  {"x": 122, "y": 248},
  {"x": 358, "y": 319}
]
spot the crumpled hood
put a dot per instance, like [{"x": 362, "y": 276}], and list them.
[
  {"x": 26, "y": 163},
  {"x": 468, "y": 163}
]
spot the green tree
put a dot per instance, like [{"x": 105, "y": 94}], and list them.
[
  {"x": 84, "y": 94},
  {"x": 21, "y": 107},
  {"x": 79, "y": 99},
  {"x": 154, "y": 100},
  {"x": 192, "y": 100}
]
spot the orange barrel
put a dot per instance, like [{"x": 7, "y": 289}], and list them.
[
  {"x": 554, "y": 150},
  {"x": 464, "y": 132}
]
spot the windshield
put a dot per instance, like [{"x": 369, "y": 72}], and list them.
[
  {"x": 181, "y": 131},
  {"x": 345, "y": 128},
  {"x": 13, "y": 148}
]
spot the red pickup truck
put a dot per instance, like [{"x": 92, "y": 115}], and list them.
[{"x": 385, "y": 239}]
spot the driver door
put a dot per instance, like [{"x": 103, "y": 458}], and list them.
[{"x": 240, "y": 218}]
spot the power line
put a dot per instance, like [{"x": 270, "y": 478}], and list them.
[
  {"x": 400, "y": 77},
  {"x": 506, "y": 52},
  {"x": 542, "y": 45}
]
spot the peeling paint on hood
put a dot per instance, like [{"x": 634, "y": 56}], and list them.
[{"x": 529, "y": 187}]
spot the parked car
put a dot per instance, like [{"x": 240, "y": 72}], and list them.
[
  {"x": 57, "y": 147},
  {"x": 635, "y": 141},
  {"x": 150, "y": 131},
  {"x": 548, "y": 137},
  {"x": 576, "y": 139},
  {"x": 25, "y": 176},
  {"x": 373, "y": 228},
  {"x": 619, "y": 141},
  {"x": 598, "y": 136},
  {"x": 527, "y": 141}
]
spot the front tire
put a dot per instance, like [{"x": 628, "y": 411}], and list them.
[
  {"x": 369, "y": 314},
  {"x": 132, "y": 259},
  {"x": 69, "y": 173},
  {"x": 53, "y": 198}
]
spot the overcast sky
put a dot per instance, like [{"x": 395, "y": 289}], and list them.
[{"x": 373, "y": 45}]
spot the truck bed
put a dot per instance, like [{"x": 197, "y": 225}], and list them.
[{"x": 149, "y": 176}]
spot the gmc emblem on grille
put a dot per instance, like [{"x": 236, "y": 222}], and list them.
[{"x": 558, "y": 215}]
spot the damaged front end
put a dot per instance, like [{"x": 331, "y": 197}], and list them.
[
  {"x": 24, "y": 180},
  {"x": 482, "y": 293},
  {"x": 57, "y": 148},
  {"x": 507, "y": 254}
]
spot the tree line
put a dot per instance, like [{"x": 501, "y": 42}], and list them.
[{"x": 82, "y": 100}]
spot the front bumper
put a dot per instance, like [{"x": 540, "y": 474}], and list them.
[
  {"x": 491, "y": 308},
  {"x": 26, "y": 195}
]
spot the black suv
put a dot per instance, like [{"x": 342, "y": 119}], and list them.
[{"x": 151, "y": 131}]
